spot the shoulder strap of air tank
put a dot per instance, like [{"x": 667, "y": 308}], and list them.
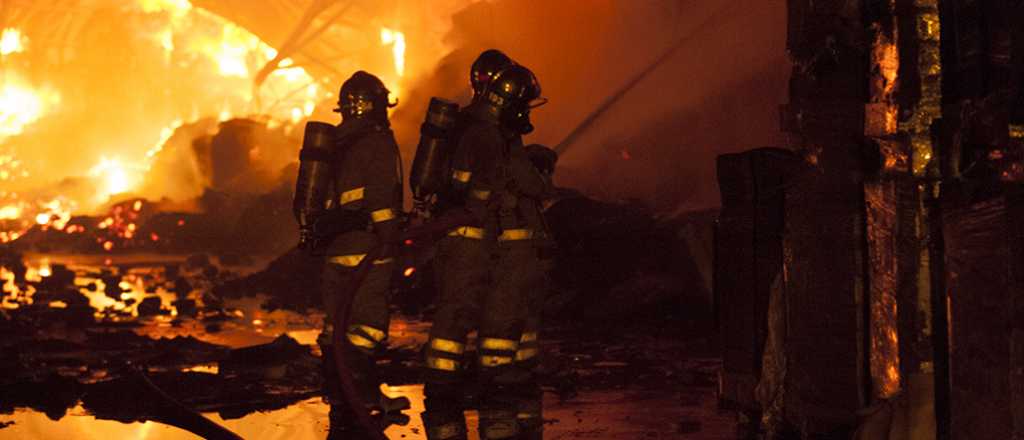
[{"x": 349, "y": 139}]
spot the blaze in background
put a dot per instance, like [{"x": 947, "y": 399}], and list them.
[
  {"x": 396, "y": 40},
  {"x": 201, "y": 46}
]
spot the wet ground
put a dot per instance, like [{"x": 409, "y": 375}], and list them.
[{"x": 72, "y": 358}]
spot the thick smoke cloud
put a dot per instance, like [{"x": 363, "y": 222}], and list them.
[{"x": 719, "y": 91}]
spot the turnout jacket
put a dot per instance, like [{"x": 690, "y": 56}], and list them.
[
  {"x": 500, "y": 185},
  {"x": 368, "y": 180}
]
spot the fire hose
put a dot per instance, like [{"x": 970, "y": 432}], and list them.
[
  {"x": 438, "y": 226},
  {"x": 176, "y": 414}
]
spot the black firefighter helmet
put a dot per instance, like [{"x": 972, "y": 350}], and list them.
[
  {"x": 511, "y": 95},
  {"x": 488, "y": 64},
  {"x": 363, "y": 96}
]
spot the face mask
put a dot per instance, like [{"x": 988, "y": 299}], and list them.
[{"x": 519, "y": 121}]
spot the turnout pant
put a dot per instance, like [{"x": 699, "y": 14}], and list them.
[{"x": 490, "y": 286}]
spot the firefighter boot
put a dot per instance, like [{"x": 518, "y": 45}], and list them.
[
  {"x": 442, "y": 414},
  {"x": 367, "y": 384},
  {"x": 342, "y": 422},
  {"x": 498, "y": 419}
]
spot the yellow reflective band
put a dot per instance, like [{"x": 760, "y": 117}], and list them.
[
  {"x": 382, "y": 215},
  {"x": 437, "y": 363},
  {"x": 462, "y": 176},
  {"x": 352, "y": 195},
  {"x": 528, "y": 337},
  {"x": 494, "y": 361},
  {"x": 468, "y": 232},
  {"x": 347, "y": 260},
  {"x": 499, "y": 344},
  {"x": 447, "y": 346},
  {"x": 360, "y": 341},
  {"x": 525, "y": 353},
  {"x": 527, "y": 415},
  {"x": 377, "y": 335},
  {"x": 354, "y": 260},
  {"x": 480, "y": 194},
  {"x": 516, "y": 234}
]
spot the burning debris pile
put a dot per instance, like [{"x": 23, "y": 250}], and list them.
[
  {"x": 62, "y": 154},
  {"x": 218, "y": 218}
]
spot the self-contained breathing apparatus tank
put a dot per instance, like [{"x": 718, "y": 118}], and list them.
[
  {"x": 313, "y": 184},
  {"x": 432, "y": 164}
]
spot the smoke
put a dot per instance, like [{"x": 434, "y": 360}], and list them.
[
  {"x": 124, "y": 77},
  {"x": 719, "y": 91}
]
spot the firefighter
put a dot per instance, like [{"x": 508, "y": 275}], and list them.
[
  {"x": 483, "y": 69},
  {"x": 488, "y": 270},
  {"x": 543, "y": 160},
  {"x": 361, "y": 209}
]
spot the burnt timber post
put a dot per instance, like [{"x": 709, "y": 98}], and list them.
[
  {"x": 981, "y": 391},
  {"x": 825, "y": 244}
]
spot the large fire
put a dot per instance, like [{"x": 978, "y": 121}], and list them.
[
  {"x": 204, "y": 65},
  {"x": 222, "y": 56}
]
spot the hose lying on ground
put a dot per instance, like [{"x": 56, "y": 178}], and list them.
[{"x": 176, "y": 414}]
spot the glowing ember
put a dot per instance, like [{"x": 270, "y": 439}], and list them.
[
  {"x": 12, "y": 41},
  {"x": 44, "y": 268},
  {"x": 409, "y": 271},
  {"x": 58, "y": 213},
  {"x": 10, "y": 212}
]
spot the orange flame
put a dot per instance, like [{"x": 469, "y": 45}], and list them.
[
  {"x": 396, "y": 40},
  {"x": 21, "y": 104}
]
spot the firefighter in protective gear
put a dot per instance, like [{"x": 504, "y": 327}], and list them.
[
  {"x": 484, "y": 68},
  {"x": 489, "y": 270},
  {"x": 482, "y": 71},
  {"x": 543, "y": 160},
  {"x": 365, "y": 180}
]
